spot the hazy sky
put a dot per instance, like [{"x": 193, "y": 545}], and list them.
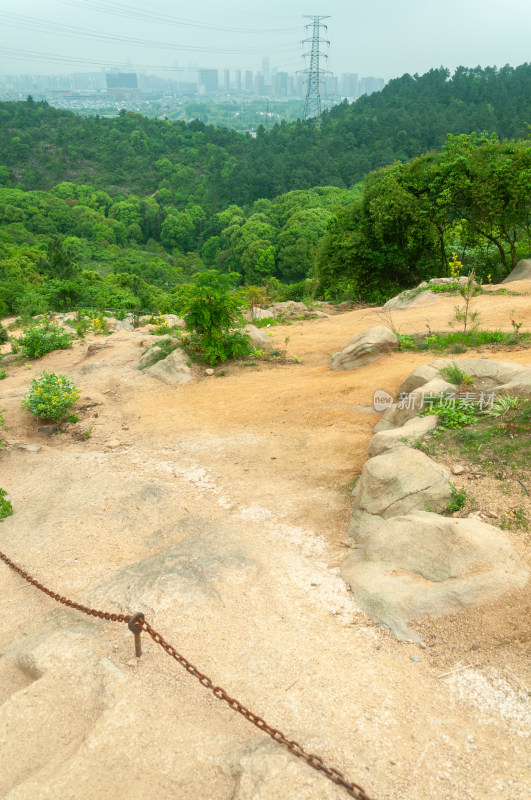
[{"x": 385, "y": 38}]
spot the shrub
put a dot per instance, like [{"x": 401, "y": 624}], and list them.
[
  {"x": 454, "y": 374},
  {"x": 3, "y": 334},
  {"x": 6, "y": 509},
  {"x": 211, "y": 310},
  {"x": 457, "y": 500},
  {"x": 41, "y": 339},
  {"x": 51, "y": 396}
]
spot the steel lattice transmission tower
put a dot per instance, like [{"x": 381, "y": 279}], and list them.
[{"x": 312, "y": 104}]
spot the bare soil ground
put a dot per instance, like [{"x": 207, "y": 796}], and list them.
[{"x": 220, "y": 509}]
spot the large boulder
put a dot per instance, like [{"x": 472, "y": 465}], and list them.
[
  {"x": 423, "y": 563},
  {"x": 521, "y": 272},
  {"x": 411, "y": 298},
  {"x": 520, "y": 383},
  {"x": 258, "y": 337},
  {"x": 410, "y": 403},
  {"x": 148, "y": 355},
  {"x": 364, "y": 348},
  {"x": 173, "y": 369},
  {"x": 413, "y": 429},
  {"x": 400, "y": 481}
]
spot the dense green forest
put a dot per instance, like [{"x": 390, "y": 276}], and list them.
[
  {"x": 215, "y": 167},
  {"x": 122, "y": 212}
]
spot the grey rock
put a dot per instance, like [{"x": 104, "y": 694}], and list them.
[
  {"x": 363, "y": 524},
  {"x": 422, "y": 563},
  {"x": 192, "y": 572},
  {"x": 172, "y": 370},
  {"x": 413, "y": 429},
  {"x": 521, "y": 272},
  {"x": 147, "y": 357},
  {"x": 364, "y": 348},
  {"x": 400, "y": 481},
  {"x": 520, "y": 384},
  {"x": 258, "y": 337},
  {"x": 409, "y": 299},
  {"x": 409, "y": 406}
]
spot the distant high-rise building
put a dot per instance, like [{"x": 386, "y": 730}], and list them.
[
  {"x": 226, "y": 80},
  {"x": 249, "y": 81},
  {"x": 238, "y": 80},
  {"x": 208, "y": 80},
  {"x": 281, "y": 84},
  {"x": 266, "y": 71},
  {"x": 349, "y": 84},
  {"x": 370, "y": 85},
  {"x": 259, "y": 84}
]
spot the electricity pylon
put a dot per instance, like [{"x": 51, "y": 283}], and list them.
[{"x": 312, "y": 104}]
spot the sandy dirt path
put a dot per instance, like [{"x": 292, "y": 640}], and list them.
[{"x": 220, "y": 510}]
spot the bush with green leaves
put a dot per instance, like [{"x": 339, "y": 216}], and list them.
[
  {"x": 452, "y": 414},
  {"x": 6, "y": 509},
  {"x": 44, "y": 338},
  {"x": 51, "y": 397},
  {"x": 4, "y": 336},
  {"x": 212, "y": 310}
]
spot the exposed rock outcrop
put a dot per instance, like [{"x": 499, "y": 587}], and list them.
[{"x": 364, "y": 348}]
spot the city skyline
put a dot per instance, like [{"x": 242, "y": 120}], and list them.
[{"x": 65, "y": 36}]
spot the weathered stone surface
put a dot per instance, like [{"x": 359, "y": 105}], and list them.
[
  {"x": 172, "y": 370},
  {"x": 364, "y": 348},
  {"x": 125, "y": 324},
  {"x": 409, "y": 407},
  {"x": 519, "y": 384},
  {"x": 423, "y": 563},
  {"x": 363, "y": 524},
  {"x": 400, "y": 481},
  {"x": 408, "y": 299},
  {"x": 521, "y": 272},
  {"x": 413, "y": 429},
  {"x": 497, "y": 371},
  {"x": 192, "y": 572},
  {"x": 420, "y": 375},
  {"x": 147, "y": 357},
  {"x": 258, "y": 337}
]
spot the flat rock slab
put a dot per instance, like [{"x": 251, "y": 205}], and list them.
[
  {"x": 424, "y": 563},
  {"x": 191, "y": 572}
]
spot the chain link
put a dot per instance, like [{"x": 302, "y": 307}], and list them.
[{"x": 315, "y": 761}]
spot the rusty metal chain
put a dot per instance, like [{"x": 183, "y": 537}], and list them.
[
  {"x": 92, "y": 612},
  {"x": 137, "y": 623}
]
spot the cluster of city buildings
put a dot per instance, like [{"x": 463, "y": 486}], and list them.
[{"x": 190, "y": 82}]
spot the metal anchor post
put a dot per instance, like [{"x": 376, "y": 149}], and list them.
[{"x": 135, "y": 626}]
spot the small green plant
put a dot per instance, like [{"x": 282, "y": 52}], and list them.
[
  {"x": 405, "y": 342},
  {"x": 504, "y": 403},
  {"x": 221, "y": 373},
  {"x": 516, "y": 325},
  {"x": 38, "y": 340},
  {"x": 463, "y": 314},
  {"x": 515, "y": 518},
  {"x": 457, "y": 500},
  {"x": 3, "y": 374},
  {"x": 4, "y": 336},
  {"x": 87, "y": 433},
  {"x": 6, "y": 509},
  {"x": 452, "y": 414},
  {"x": 454, "y": 374},
  {"x": 51, "y": 397},
  {"x": 455, "y": 267},
  {"x": 100, "y": 326}
]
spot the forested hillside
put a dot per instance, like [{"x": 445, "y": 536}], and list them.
[
  {"x": 41, "y": 146},
  {"x": 121, "y": 212}
]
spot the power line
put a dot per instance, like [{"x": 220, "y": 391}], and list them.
[
  {"x": 40, "y": 25},
  {"x": 312, "y": 104},
  {"x": 123, "y": 10}
]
